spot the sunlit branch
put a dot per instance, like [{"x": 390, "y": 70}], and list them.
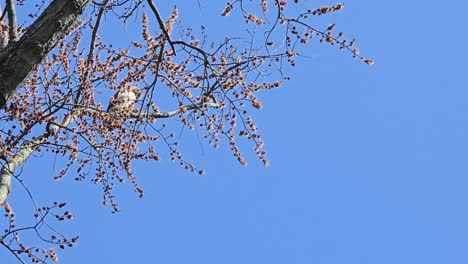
[
  {"x": 181, "y": 109},
  {"x": 23, "y": 153},
  {"x": 3, "y": 33},
  {"x": 13, "y": 30},
  {"x": 177, "y": 111}
]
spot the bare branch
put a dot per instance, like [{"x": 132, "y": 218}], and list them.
[
  {"x": 13, "y": 30},
  {"x": 3, "y": 31},
  {"x": 13, "y": 252}
]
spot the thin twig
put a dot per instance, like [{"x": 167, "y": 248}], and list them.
[
  {"x": 12, "y": 251},
  {"x": 89, "y": 59}
]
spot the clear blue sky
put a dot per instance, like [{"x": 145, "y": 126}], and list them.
[{"x": 368, "y": 164}]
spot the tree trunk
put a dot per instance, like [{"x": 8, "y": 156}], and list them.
[{"x": 19, "y": 58}]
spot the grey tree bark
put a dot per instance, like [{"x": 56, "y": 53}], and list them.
[{"x": 18, "y": 58}]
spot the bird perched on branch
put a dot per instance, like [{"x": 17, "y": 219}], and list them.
[{"x": 121, "y": 103}]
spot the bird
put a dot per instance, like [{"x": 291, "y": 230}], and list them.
[{"x": 122, "y": 102}]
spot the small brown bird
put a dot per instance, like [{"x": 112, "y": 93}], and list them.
[{"x": 122, "y": 102}]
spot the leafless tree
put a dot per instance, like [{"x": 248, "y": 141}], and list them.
[{"x": 57, "y": 73}]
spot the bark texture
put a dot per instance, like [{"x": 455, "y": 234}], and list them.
[{"x": 18, "y": 58}]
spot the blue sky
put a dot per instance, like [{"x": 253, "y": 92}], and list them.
[{"x": 368, "y": 164}]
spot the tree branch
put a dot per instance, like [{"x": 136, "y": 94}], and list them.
[
  {"x": 177, "y": 111},
  {"x": 12, "y": 251},
  {"x": 29, "y": 147},
  {"x": 13, "y": 30},
  {"x": 3, "y": 33},
  {"x": 161, "y": 24},
  {"x": 23, "y": 153},
  {"x": 19, "y": 58}
]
